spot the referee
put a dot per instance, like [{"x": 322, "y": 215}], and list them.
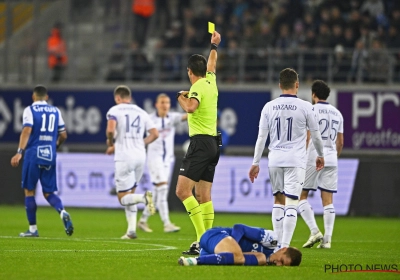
[{"x": 198, "y": 166}]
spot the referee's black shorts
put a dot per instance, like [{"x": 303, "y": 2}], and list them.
[{"x": 201, "y": 158}]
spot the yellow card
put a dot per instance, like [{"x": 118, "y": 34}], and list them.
[{"x": 211, "y": 27}]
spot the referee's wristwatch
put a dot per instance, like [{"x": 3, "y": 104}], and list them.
[{"x": 178, "y": 94}]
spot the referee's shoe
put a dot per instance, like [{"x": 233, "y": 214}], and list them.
[{"x": 193, "y": 250}]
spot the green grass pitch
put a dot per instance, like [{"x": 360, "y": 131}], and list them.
[{"x": 95, "y": 251}]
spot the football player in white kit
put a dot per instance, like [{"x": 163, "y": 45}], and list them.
[
  {"x": 126, "y": 125},
  {"x": 331, "y": 128},
  {"x": 286, "y": 119},
  {"x": 160, "y": 155}
]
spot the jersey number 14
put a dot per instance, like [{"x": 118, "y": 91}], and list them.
[{"x": 134, "y": 124}]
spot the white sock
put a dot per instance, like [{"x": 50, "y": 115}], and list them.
[
  {"x": 278, "y": 212},
  {"x": 329, "y": 220},
  {"x": 289, "y": 222},
  {"x": 307, "y": 213},
  {"x": 131, "y": 215},
  {"x": 132, "y": 198},
  {"x": 146, "y": 213},
  {"x": 33, "y": 228},
  {"x": 162, "y": 203}
]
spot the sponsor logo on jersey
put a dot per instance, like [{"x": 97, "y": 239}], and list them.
[
  {"x": 38, "y": 108},
  {"x": 45, "y": 152}
]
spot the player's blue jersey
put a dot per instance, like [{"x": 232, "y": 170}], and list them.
[
  {"x": 46, "y": 122},
  {"x": 215, "y": 235}
]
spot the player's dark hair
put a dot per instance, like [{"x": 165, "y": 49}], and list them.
[
  {"x": 198, "y": 64},
  {"x": 321, "y": 89},
  {"x": 40, "y": 91},
  {"x": 295, "y": 256},
  {"x": 287, "y": 78},
  {"x": 122, "y": 91}
]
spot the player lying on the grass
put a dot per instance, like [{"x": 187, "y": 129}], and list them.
[{"x": 240, "y": 245}]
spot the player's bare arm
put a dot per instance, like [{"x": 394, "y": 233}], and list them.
[
  {"x": 111, "y": 125},
  {"x": 339, "y": 143},
  {"x": 153, "y": 135},
  {"x": 23, "y": 141},
  {"x": 212, "y": 58},
  {"x": 62, "y": 136}
]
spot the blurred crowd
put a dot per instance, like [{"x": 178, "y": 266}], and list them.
[{"x": 352, "y": 37}]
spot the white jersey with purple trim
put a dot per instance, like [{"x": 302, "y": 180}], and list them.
[
  {"x": 163, "y": 147},
  {"x": 132, "y": 124},
  {"x": 330, "y": 122},
  {"x": 287, "y": 118}
]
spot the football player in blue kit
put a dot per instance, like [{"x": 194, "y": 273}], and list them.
[
  {"x": 242, "y": 245},
  {"x": 42, "y": 133}
]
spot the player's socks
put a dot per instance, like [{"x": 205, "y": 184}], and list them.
[
  {"x": 131, "y": 215},
  {"x": 329, "y": 220},
  {"x": 278, "y": 213},
  {"x": 32, "y": 228},
  {"x": 55, "y": 202},
  {"x": 220, "y": 258},
  {"x": 194, "y": 211},
  {"x": 146, "y": 212},
  {"x": 207, "y": 210},
  {"x": 162, "y": 203},
  {"x": 289, "y": 222},
  {"x": 30, "y": 206},
  {"x": 307, "y": 213},
  {"x": 145, "y": 215},
  {"x": 250, "y": 260},
  {"x": 132, "y": 198}
]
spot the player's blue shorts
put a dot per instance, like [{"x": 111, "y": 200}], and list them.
[
  {"x": 210, "y": 239},
  {"x": 31, "y": 173}
]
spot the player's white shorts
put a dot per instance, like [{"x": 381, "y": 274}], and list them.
[
  {"x": 287, "y": 180},
  {"x": 325, "y": 179},
  {"x": 128, "y": 173},
  {"x": 159, "y": 170}
]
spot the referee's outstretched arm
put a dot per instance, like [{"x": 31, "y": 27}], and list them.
[{"x": 212, "y": 59}]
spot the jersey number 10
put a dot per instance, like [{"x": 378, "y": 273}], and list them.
[{"x": 52, "y": 120}]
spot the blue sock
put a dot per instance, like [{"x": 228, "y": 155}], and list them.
[
  {"x": 250, "y": 260},
  {"x": 221, "y": 258},
  {"x": 55, "y": 201},
  {"x": 30, "y": 206}
]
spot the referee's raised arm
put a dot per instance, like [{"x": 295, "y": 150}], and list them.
[{"x": 212, "y": 58}]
